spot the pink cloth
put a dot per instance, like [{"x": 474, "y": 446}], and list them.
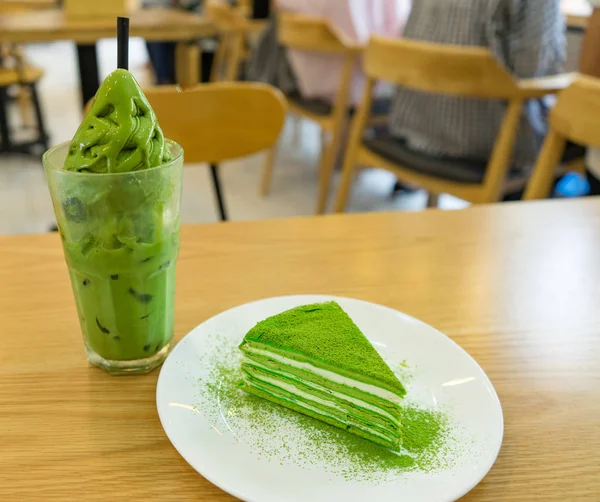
[{"x": 319, "y": 75}]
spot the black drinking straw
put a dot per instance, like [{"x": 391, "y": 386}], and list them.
[{"x": 123, "y": 43}]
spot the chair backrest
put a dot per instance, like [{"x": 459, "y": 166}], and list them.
[
  {"x": 311, "y": 33},
  {"x": 438, "y": 68},
  {"x": 219, "y": 121},
  {"x": 575, "y": 117}
]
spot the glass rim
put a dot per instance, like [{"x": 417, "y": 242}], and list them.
[{"x": 50, "y": 167}]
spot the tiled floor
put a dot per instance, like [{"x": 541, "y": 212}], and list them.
[{"x": 25, "y": 206}]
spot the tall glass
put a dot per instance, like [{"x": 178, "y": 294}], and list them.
[{"x": 120, "y": 235}]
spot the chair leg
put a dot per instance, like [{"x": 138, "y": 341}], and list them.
[
  {"x": 39, "y": 116},
  {"x": 322, "y": 144},
  {"x": 326, "y": 172},
  {"x": 24, "y": 101},
  {"x": 214, "y": 171},
  {"x": 433, "y": 200},
  {"x": 265, "y": 184},
  {"x": 540, "y": 183},
  {"x": 343, "y": 195},
  {"x": 353, "y": 146}
]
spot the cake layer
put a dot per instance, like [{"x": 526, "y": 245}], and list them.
[
  {"x": 364, "y": 419},
  {"x": 312, "y": 411},
  {"x": 265, "y": 354},
  {"x": 349, "y": 403},
  {"x": 306, "y": 375}
]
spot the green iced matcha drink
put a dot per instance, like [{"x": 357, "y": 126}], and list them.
[{"x": 116, "y": 191}]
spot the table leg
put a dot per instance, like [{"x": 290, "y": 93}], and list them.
[
  {"x": 433, "y": 200},
  {"x": 88, "y": 71},
  {"x": 39, "y": 116},
  {"x": 187, "y": 63},
  {"x": 214, "y": 171}
]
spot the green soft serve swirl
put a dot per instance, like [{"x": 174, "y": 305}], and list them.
[{"x": 120, "y": 133}]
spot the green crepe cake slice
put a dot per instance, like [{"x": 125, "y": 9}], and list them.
[{"x": 313, "y": 359}]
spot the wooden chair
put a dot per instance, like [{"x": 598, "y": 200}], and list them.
[
  {"x": 575, "y": 117},
  {"x": 219, "y": 121},
  {"x": 26, "y": 99},
  {"x": 229, "y": 22},
  {"x": 235, "y": 29},
  {"x": 313, "y": 34},
  {"x": 20, "y": 74},
  {"x": 14, "y": 58},
  {"x": 442, "y": 69}
]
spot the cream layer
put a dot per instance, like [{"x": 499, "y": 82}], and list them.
[
  {"x": 337, "y": 395},
  {"x": 319, "y": 411},
  {"x": 329, "y": 375}
]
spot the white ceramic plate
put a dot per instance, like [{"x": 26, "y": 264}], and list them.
[{"x": 231, "y": 452}]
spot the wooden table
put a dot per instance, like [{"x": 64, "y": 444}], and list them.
[
  {"x": 151, "y": 24},
  {"x": 517, "y": 286},
  {"x": 577, "y": 13}
]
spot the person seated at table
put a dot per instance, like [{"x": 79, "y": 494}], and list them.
[
  {"x": 528, "y": 37},
  {"x": 317, "y": 76}
]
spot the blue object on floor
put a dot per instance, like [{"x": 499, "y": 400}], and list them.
[{"x": 572, "y": 185}]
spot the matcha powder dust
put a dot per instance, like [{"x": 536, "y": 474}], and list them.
[{"x": 430, "y": 441}]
